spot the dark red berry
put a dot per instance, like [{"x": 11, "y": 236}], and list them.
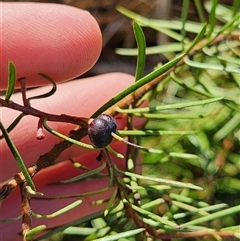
[
  {"x": 100, "y": 129},
  {"x": 110, "y": 120}
]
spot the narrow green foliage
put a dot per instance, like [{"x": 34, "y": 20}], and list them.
[
  {"x": 11, "y": 219},
  {"x": 167, "y": 48},
  {"x": 147, "y": 22},
  {"x": 32, "y": 192},
  {"x": 60, "y": 211},
  {"x": 74, "y": 223},
  {"x": 13, "y": 124},
  {"x": 119, "y": 155},
  {"x": 122, "y": 235},
  {"x": 228, "y": 128},
  {"x": 189, "y": 144},
  {"x": 153, "y": 203},
  {"x": 34, "y": 231},
  {"x": 79, "y": 230},
  {"x": 184, "y": 17},
  {"x": 55, "y": 133},
  {"x": 111, "y": 177},
  {"x": 98, "y": 223},
  {"x": 79, "y": 195},
  {"x": 212, "y": 17},
  {"x": 160, "y": 180},
  {"x": 200, "y": 10},
  {"x": 198, "y": 38},
  {"x": 230, "y": 25},
  {"x": 155, "y": 217},
  {"x": 213, "y": 216},
  {"x": 141, "y": 57},
  {"x": 236, "y": 6},
  {"x": 11, "y": 80},
  {"x": 144, "y": 80},
  {"x": 153, "y": 132},
  {"x": 193, "y": 139},
  {"x": 169, "y": 116},
  {"x": 17, "y": 156},
  {"x": 183, "y": 155},
  {"x": 193, "y": 210},
  {"x": 85, "y": 175},
  {"x": 111, "y": 202},
  {"x": 199, "y": 65},
  {"x": 172, "y": 106},
  {"x": 190, "y": 88}
]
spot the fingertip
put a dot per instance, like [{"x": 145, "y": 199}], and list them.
[{"x": 59, "y": 41}]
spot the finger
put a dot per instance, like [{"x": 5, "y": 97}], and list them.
[
  {"x": 59, "y": 41},
  {"x": 77, "y": 98},
  {"x": 62, "y": 171}
]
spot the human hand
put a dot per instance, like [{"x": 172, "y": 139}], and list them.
[{"x": 62, "y": 43}]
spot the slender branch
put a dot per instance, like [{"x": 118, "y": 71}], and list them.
[
  {"x": 49, "y": 157},
  {"x": 28, "y": 110},
  {"x": 43, "y": 161},
  {"x": 22, "y": 82},
  {"x": 26, "y": 210}
]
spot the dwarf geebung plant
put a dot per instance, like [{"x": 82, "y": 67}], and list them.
[{"x": 184, "y": 138}]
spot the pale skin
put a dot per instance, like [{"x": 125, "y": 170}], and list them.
[{"x": 61, "y": 42}]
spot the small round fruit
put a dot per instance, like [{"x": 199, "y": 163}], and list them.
[
  {"x": 100, "y": 129},
  {"x": 110, "y": 120}
]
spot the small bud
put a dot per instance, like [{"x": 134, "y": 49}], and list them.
[{"x": 40, "y": 135}]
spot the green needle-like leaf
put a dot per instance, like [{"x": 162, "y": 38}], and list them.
[
  {"x": 170, "y": 107},
  {"x": 74, "y": 223},
  {"x": 236, "y": 6},
  {"x": 160, "y": 180},
  {"x": 111, "y": 202},
  {"x": 141, "y": 43},
  {"x": 213, "y": 216},
  {"x": 121, "y": 235},
  {"x": 198, "y": 38},
  {"x": 34, "y": 231},
  {"x": 195, "y": 64},
  {"x": 11, "y": 80},
  {"x": 85, "y": 175},
  {"x": 184, "y": 16},
  {"x": 200, "y": 10},
  {"x": 233, "y": 123},
  {"x": 78, "y": 143},
  {"x": 153, "y": 132},
  {"x": 10, "y": 219},
  {"x": 144, "y": 80},
  {"x": 32, "y": 192},
  {"x": 14, "y": 124},
  {"x": 159, "y": 49},
  {"x": 155, "y": 217},
  {"x": 212, "y": 17},
  {"x": 17, "y": 157},
  {"x": 59, "y": 212}
]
